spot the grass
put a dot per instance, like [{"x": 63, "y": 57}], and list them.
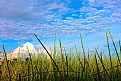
[{"x": 64, "y": 66}]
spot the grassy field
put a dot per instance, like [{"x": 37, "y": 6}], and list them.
[{"x": 63, "y": 66}]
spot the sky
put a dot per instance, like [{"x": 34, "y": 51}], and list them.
[{"x": 20, "y": 19}]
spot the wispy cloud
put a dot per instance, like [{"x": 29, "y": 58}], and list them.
[{"x": 19, "y": 19}]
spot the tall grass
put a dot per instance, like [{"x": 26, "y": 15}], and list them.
[{"x": 63, "y": 66}]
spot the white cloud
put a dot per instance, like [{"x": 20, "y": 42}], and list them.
[
  {"x": 91, "y": 0},
  {"x": 19, "y": 20}
]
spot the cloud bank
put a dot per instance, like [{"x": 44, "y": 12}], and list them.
[{"x": 20, "y": 19}]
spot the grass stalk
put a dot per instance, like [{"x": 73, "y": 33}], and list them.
[
  {"x": 50, "y": 57},
  {"x": 114, "y": 46},
  {"x": 98, "y": 71},
  {"x": 83, "y": 52},
  {"x": 66, "y": 65},
  {"x": 103, "y": 65},
  {"x": 30, "y": 56},
  {"x": 109, "y": 49},
  {"x": 7, "y": 64}
]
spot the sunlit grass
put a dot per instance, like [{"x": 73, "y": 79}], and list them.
[{"x": 64, "y": 66}]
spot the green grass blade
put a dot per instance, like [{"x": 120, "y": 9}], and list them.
[
  {"x": 103, "y": 65},
  {"x": 7, "y": 64},
  {"x": 66, "y": 65},
  {"x": 109, "y": 49},
  {"x": 98, "y": 72},
  {"x": 114, "y": 46},
  {"x": 83, "y": 51},
  {"x": 50, "y": 57}
]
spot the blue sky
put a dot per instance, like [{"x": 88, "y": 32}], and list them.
[{"x": 20, "y": 19}]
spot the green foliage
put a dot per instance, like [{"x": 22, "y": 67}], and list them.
[{"x": 63, "y": 66}]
